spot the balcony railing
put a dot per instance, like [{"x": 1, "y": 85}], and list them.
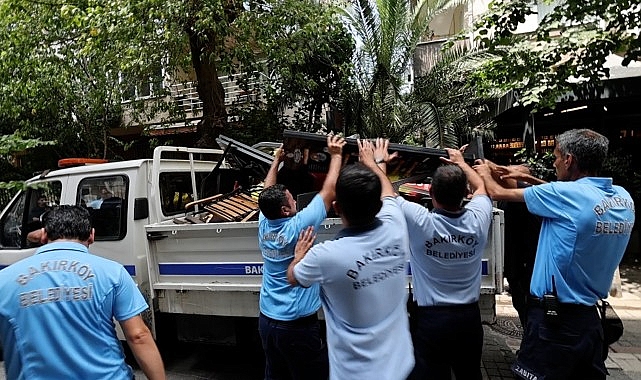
[{"x": 186, "y": 96}]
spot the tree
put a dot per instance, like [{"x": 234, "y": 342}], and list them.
[
  {"x": 460, "y": 111},
  {"x": 51, "y": 88},
  {"x": 307, "y": 57},
  {"x": 68, "y": 66},
  {"x": 567, "y": 49},
  {"x": 388, "y": 32}
]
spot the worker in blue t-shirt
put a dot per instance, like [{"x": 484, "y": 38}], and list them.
[
  {"x": 57, "y": 309},
  {"x": 362, "y": 274},
  {"x": 447, "y": 246},
  {"x": 586, "y": 227},
  {"x": 288, "y": 323}
]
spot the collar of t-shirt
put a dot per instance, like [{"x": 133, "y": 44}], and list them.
[
  {"x": 62, "y": 245},
  {"x": 450, "y": 214}
]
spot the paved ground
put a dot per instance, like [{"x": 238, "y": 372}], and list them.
[{"x": 502, "y": 339}]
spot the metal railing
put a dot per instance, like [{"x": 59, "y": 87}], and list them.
[{"x": 186, "y": 96}]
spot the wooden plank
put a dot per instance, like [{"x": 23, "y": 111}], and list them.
[
  {"x": 201, "y": 201},
  {"x": 229, "y": 211},
  {"x": 243, "y": 204},
  {"x": 249, "y": 216},
  {"x": 228, "y": 204},
  {"x": 221, "y": 215},
  {"x": 215, "y": 209},
  {"x": 246, "y": 200}
]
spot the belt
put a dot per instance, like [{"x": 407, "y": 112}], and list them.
[
  {"x": 298, "y": 322},
  {"x": 540, "y": 302}
]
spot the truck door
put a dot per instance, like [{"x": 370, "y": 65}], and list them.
[
  {"x": 22, "y": 216},
  {"x": 106, "y": 199}
]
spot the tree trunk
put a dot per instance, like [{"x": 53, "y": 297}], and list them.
[{"x": 210, "y": 92}]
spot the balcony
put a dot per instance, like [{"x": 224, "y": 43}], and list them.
[{"x": 186, "y": 96}]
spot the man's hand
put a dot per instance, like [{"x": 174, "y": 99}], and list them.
[
  {"x": 279, "y": 154},
  {"x": 366, "y": 153},
  {"x": 305, "y": 241},
  {"x": 335, "y": 145},
  {"x": 482, "y": 168},
  {"x": 381, "y": 154},
  {"x": 512, "y": 171},
  {"x": 455, "y": 155}
]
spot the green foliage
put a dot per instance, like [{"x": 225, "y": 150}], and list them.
[
  {"x": 458, "y": 110},
  {"x": 568, "y": 48},
  {"x": 66, "y": 67},
  {"x": 377, "y": 103},
  {"x": 14, "y": 143},
  {"x": 12, "y": 178},
  {"x": 307, "y": 55},
  {"x": 54, "y": 86},
  {"x": 540, "y": 164},
  {"x": 618, "y": 165}
]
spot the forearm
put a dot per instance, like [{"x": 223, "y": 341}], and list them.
[
  {"x": 272, "y": 174},
  {"x": 533, "y": 180},
  {"x": 498, "y": 192},
  {"x": 387, "y": 189},
  {"x": 148, "y": 357},
  {"x": 143, "y": 347},
  {"x": 476, "y": 182},
  {"x": 328, "y": 191}
]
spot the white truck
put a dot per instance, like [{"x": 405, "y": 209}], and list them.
[{"x": 201, "y": 280}]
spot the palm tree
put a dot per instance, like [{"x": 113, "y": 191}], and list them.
[
  {"x": 458, "y": 109},
  {"x": 388, "y": 32}
]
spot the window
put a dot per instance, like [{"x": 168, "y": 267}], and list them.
[
  {"x": 176, "y": 191},
  {"x": 23, "y": 215},
  {"x": 106, "y": 200},
  {"x": 143, "y": 87}
]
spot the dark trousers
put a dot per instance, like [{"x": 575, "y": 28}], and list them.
[
  {"x": 567, "y": 349},
  {"x": 293, "y": 349},
  {"x": 448, "y": 339}
]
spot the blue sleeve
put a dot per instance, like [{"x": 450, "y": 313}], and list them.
[
  {"x": 545, "y": 200},
  {"x": 312, "y": 215},
  {"x": 128, "y": 301},
  {"x": 481, "y": 206},
  {"x": 308, "y": 271},
  {"x": 414, "y": 213}
]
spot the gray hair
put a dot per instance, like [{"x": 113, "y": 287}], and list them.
[{"x": 588, "y": 148}]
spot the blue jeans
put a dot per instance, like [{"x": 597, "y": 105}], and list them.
[
  {"x": 293, "y": 349},
  {"x": 448, "y": 339}
]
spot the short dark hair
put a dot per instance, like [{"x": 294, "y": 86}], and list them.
[
  {"x": 588, "y": 147},
  {"x": 271, "y": 200},
  {"x": 67, "y": 222},
  {"x": 358, "y": 193},
  {"x": 449, "y": 185}
]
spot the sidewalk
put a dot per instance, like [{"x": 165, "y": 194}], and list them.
[{"x": 503, "y": 338}]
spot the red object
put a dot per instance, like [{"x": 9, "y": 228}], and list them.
[{"x": 69, "y": 162}]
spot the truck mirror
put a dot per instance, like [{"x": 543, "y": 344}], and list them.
[{"x": 141, "y": 208}]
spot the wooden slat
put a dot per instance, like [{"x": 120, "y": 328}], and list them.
[
  {"x": 249, "y": 216},
  {"x": 201, "y": 201},
  {"x": 242, "y": 204},
  {"x": 215, "y": 209}
]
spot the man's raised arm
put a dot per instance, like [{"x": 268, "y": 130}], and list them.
[{"x": 335, "y": 149}]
